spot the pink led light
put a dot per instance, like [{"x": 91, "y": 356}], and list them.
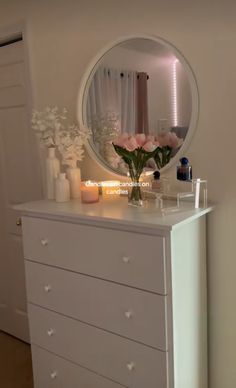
[{"x": 174, "y": 94}]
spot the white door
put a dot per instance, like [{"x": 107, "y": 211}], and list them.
[{"x": 19, "y": 182}]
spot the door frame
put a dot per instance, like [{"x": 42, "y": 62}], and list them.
[
  {"x": 9, "y": 33},
  {"x": 13, "y": 31}
]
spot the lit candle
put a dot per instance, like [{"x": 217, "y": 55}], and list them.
[
  {"x": 110, "y": 190},
  {"x": 89, "y": 192}
]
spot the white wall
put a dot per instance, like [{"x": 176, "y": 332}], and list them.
[{"x": 63, "y": 37}]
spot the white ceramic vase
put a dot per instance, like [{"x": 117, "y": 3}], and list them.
[
  {"x": 62, "y": 188},
  {"x": 74, "y": 176},
  {"x": 52, "y": 172}
]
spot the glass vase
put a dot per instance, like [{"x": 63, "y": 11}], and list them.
[{"x": 135, "y": 196}]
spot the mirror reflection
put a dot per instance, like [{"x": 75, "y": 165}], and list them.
[{"x": 138, "y": 86}]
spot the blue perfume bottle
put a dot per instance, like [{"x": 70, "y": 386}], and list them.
[
  {"x": 184, "y": 170},
  {"x": 156, "y": 182}
]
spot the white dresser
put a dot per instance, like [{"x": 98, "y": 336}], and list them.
[{"x": 116, "y": 295}]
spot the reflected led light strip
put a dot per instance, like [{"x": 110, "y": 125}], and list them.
[{"x": 174, "y": 94}]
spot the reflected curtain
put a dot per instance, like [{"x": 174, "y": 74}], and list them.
[
  {"x": 113, "y": 92},
  {"x": 142, "y": 124}
]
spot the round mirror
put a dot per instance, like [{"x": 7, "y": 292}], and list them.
[{"x": 138, "y": 85}]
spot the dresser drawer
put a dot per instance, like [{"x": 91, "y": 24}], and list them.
[
  {"x": 133, "y": 313},
  {"x": 112, "y": 356},
  {"x": 51, "y": 371},
  {"x": 124, "y": 257}
]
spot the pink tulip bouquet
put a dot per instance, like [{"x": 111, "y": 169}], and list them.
[
  {"x": 135, "y": 151},
  {"x": 168, "y": 142}
]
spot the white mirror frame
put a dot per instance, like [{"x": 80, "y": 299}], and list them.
[{"x": 84, "y": 87}]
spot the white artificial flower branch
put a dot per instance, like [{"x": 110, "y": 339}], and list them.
[{"x": 55, "y": 130}]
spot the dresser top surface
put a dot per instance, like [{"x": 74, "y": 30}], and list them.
[{"x": 116, "y": 212}]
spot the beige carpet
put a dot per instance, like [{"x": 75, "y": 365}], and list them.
[{"x": 15, "y": 363}]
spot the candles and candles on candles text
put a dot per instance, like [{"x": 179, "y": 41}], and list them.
[{"x": 110, "y": 191}]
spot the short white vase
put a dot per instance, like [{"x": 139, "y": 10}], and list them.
[
  {"x": 52, "y": 172},
  {"x": 62, "y": 188},
  {"x": 74, "y": 176}
]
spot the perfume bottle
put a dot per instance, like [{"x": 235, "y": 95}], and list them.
[
  {"x": 156, "y": 182},
  {"x": 184, "y": 170}
]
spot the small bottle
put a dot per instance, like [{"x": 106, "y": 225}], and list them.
[
  {"x": 184, "y": 171},
  {"x": 156, "y": 183},
  {"x": 62, "y": 188}
]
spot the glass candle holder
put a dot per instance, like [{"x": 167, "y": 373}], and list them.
[{"x": 89, "y": 192}]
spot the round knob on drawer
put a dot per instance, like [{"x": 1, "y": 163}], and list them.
[
  {"x": 126, "y": 259},
  {"x": 53, "y": 375},
  {"x": 18, "y": 222},
  {"x": 128, "y": 314},
  {"x": 44, "y": 242},
  {"x": 130, "y": 366},
  {"x": 50, "y": 332},
  {"x": 47, "y": 288}
]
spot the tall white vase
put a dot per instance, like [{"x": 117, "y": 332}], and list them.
[
  {"x": 52, "y": 172},
  {"x": 74, "y": 176}
]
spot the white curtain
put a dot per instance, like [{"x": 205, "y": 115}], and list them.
[{"x": 113, "y": 91}]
